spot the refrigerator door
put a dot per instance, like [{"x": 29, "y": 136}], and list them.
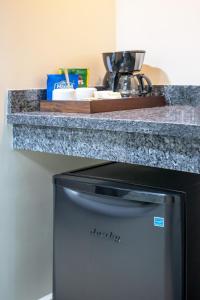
[{"x": 114, "y": 243}]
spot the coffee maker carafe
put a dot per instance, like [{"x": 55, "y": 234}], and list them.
[{"x": 123, "y": 73}]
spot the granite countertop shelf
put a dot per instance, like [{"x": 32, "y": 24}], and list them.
[{"x": 165, "y": 137}]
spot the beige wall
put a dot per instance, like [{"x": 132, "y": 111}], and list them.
[
  {"x": 37, "y": 37},
  {"x": 169, "y": 31}
]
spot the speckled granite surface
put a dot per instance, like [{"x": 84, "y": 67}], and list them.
[
  {"x": 175, "y": 121},
  {"x": 167, "y": 137},
  {"x": 25, "y": 100},
  {"x": 144, "y": 149},
  {"x": 179, "y": 94}
]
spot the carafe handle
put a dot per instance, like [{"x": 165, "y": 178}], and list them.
[{"x": 144, "y": 89}]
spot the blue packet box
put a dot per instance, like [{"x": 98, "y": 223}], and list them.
[{"x": 59, "y": 81}]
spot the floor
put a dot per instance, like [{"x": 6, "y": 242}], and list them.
[{"x": 48, "y": 297}]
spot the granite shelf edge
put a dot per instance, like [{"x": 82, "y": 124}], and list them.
[
  {"x": 143, "y": 149},
  {"x": 164, "y": 128}
]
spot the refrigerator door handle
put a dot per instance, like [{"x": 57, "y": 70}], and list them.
[{"x": 109, "y": 205}]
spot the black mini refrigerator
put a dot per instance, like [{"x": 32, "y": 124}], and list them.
[{"x": 124, "y": 232}]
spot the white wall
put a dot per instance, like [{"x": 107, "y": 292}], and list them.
[
  {"x": 168, "y": 31},
  {"x": 37, "y": 37}
]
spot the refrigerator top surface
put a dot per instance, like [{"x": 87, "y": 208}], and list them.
[{"x": 138, "y": 175}]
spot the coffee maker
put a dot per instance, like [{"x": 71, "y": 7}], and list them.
[{"x": 123, "y": 75}]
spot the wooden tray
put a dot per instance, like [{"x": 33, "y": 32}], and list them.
[{"x": 97, "y": 106}]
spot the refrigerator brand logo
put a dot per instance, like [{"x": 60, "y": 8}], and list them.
[
  {"x": 159, "y": 222},
  {"x": 105, "y": 235}
]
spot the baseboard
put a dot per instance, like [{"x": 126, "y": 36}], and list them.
[{"x": 48, "y": 297}]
